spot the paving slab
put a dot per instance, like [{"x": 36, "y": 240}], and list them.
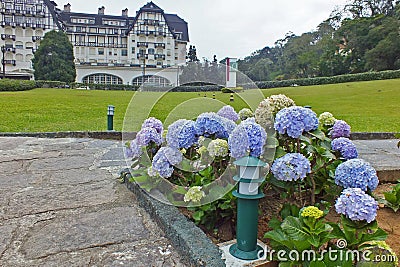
[
  {"x": 384, "y": 156},
  {"x": 61, "y": 205}
]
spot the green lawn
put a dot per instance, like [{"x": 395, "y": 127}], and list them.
[{"x": 367, "y": 106}]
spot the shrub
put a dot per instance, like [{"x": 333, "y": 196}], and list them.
[
  {"x": 50, "y": 84},
  {"x": 16, "y": 85},
  {"x": 367, "y": 76}
]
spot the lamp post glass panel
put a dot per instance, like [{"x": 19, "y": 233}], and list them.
[
  {"x": 110, "y": 118},
  {"x": 250, "y": 177}
]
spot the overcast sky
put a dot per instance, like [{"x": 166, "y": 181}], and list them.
[{"x": 228, "y": 28}]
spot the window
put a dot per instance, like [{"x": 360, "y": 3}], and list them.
[
  {"x": 124, "y": 52},
  {"x": 152, "y": 80},
  {"x": 151, "y": 51},
  {"x": 133, "y": 50},
  {"x": 101, "y": 51},
  {"x": 102, "y": 78}
]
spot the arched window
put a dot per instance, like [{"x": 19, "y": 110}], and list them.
[
  {"x": 102, "y": 78},
  {"x": 151, "y": 80}
]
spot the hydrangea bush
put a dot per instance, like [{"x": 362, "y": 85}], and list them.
[{"x": 314, "y": 162}]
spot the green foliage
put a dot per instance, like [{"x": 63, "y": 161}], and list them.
[
  {"x": 392, "y": 198},
  {"x": 367, "y": 76},
  {"x": 54, "y": 59},
  {"x": 50, "y": 84},
  {"x": 99, "y": 86},
  {"x": 301, "y": 234},
  {"x": 216, "y": 213},
  {"x": 16, "y": 85},
  {"x": 361, "y": 37},
  {"x": 357, "y": 233}
]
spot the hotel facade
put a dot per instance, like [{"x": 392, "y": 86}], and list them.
[{"x": 108, "y": 49}]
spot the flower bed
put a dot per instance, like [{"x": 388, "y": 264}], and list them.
[{"x": 314, "y": 171}]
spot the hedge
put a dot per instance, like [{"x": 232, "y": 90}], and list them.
[
  {"x": 16, "y": 85},
  {"x": 100, "y": 86},
  {"x": 366, "y": 76},
  {"x": 50, "y": 84}
]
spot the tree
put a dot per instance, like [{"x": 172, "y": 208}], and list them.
[
  {"x": 54, "y": 59},
  {"x": 192, "y": 54}
]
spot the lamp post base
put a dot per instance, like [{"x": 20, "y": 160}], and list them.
[{"x": 256, "y": 254}]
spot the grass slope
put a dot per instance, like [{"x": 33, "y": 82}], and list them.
[{"x": 372, "y": 106}]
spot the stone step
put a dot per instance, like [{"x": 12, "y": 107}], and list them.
[{"x": 383, "y": 155}]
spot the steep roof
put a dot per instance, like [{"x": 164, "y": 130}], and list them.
[
  {"x": 150, "y": 6},
  {"x": 177, "y": 24}
]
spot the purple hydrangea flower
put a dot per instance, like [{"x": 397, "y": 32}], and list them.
[
  {"x": 229, "y": 113},
  {"x": 153, "y": 123},
  {"x": 346, "y": 147},
  {"x": 291, "y": 167},
  {"x": 340, "y": 129},
  {"x": 209, "y": 123},
  {"x": 147, "y": 135},
  {"x": 181, "y": 134},
  {"x": 356, "y": 173},
  {"x": 165, "y": 159},
  {"x": 134, "y": 150},
  {"x": 247, "y": 137},
  {"x": 357, "y": 205},
  {"x": 295, "y": 120}
]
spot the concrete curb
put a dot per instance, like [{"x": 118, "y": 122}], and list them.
[
  {"x": 191, "y": 243},
  {"x": 113, "y": 135}
]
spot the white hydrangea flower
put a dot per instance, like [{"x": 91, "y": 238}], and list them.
[
  {"x": 218, "y": 148},
  {"x": 245, "y": 113},
  {"x": 269, "y": 107},
  {"x": 194, "y": 194},
  {"x": 326, "y": 119}
]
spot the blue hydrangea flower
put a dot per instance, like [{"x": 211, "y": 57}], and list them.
[
  {"x": 147, "y": 135},
  {"x": 181, "y": 134},
  {"x": 340, "y": 129},
  {"x": 345, "y": 146},
  {"x": 153, "y": 123},
  {"x": 165, "y": 159},
  {"x": 229, "y": 113},
  {"x": 357, "y": 205},
  {"x": 291, "y": 167},
  {"x": 295, "y": 120},
  {"x": 247, "y": 137},
  {"x": 356, "y": 173},
  {"x": 134, "y": 150},
  {"x": 209, "y": 123}
]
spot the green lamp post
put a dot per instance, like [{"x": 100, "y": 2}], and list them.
[
  {"x": 110, "y": 118},
  {"x": 248, "y": 194}
]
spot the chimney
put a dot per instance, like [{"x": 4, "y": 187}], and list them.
[
  {"x": 125, "y": 12},
  {"x": 67, "y": 7},
  {"x": 101, "y": 10}
]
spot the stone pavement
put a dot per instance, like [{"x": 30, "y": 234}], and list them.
[
  {"x": 384, "y": 156},
  {"x": 61, "y": 205}
]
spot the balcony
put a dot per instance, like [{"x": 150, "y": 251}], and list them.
[
  {"x": 8, "y": 36},
  {"x": 8, "y": 23},
  {"x": 10, "y": 49},
  {"x": 9, "y": 62},
  {"x": 43, "y": 26},
  {"x": 151, "y": 22},
  {"x": 142, "y": 56},
  {"x": 156, "y": 45},
  {"x": 29, "y": 25},
  {"x": 20, "y": 24},
  {"x": 159, "y": 56},
  {"x": 36, "y": 38},
  {"x": 94, "y": 44},
  {"x": 142, "y": 44},
  {"x": 7, "y": 11}
]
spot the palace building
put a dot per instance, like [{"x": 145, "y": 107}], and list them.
[{"x": 108, "y": 49}]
